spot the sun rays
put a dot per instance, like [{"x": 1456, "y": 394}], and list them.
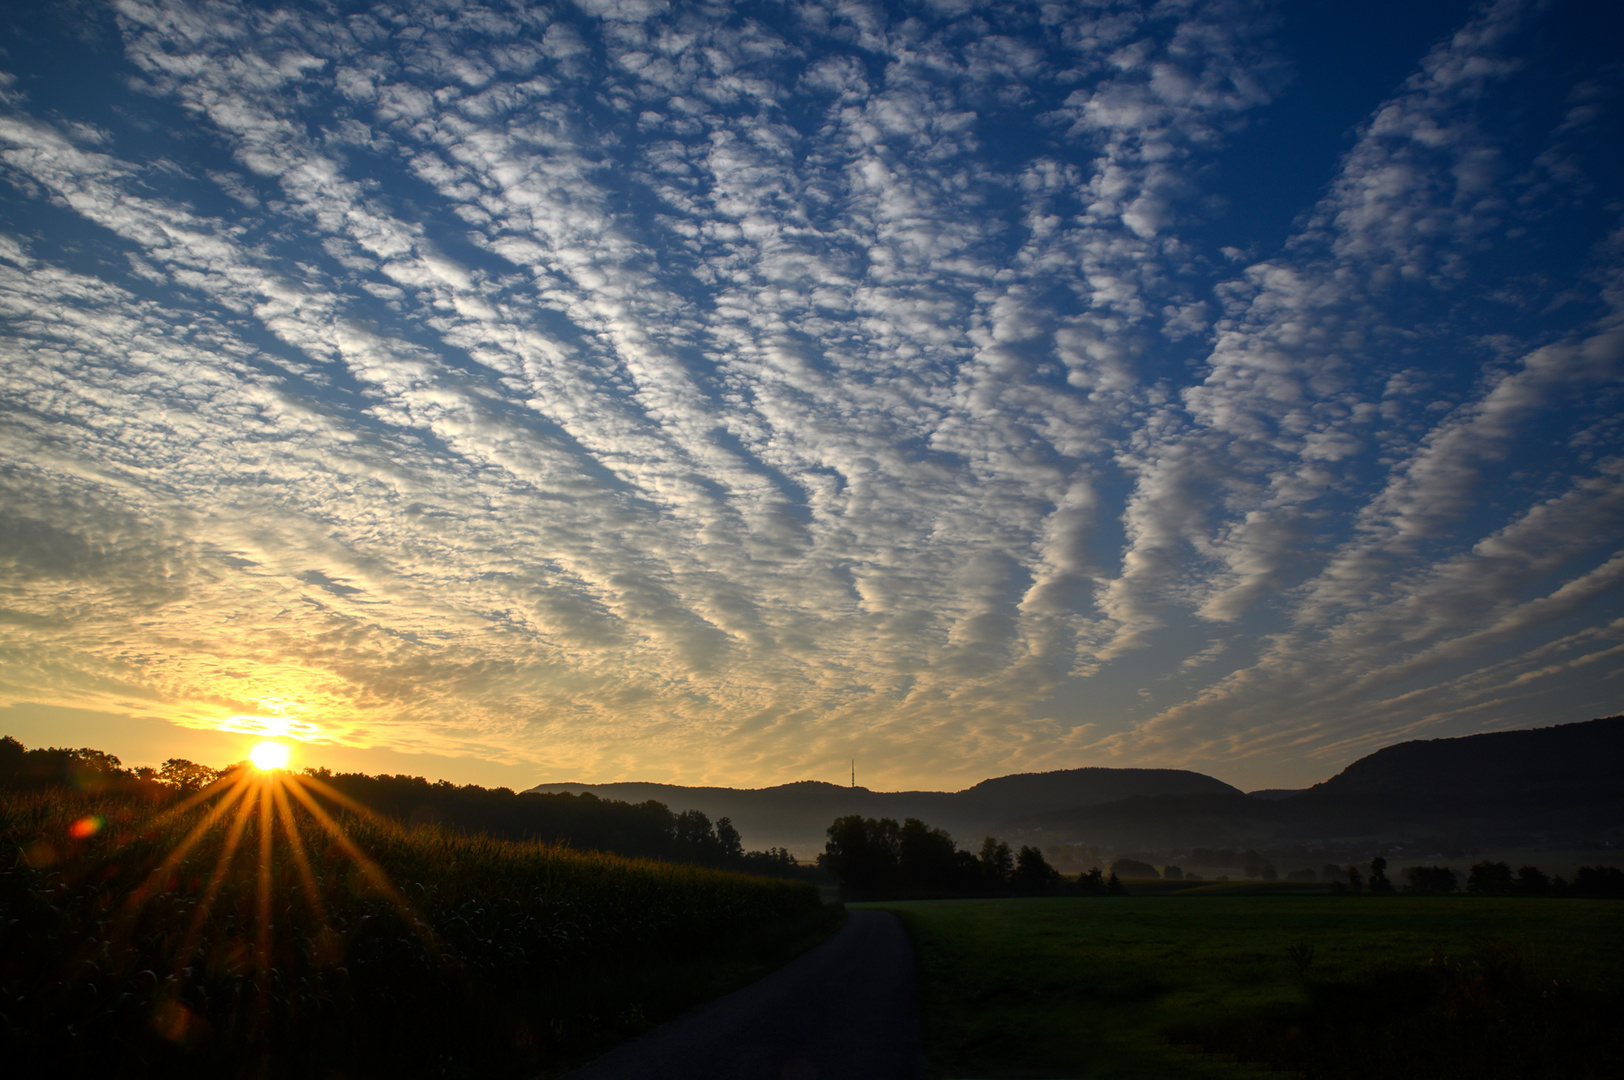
[{"x": 261, "y": 811}]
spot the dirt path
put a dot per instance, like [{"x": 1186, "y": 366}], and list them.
[{"x": 847, "y": 1010}]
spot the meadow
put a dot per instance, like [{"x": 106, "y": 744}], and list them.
[
  {"x": 1238, "y": 986},
  {"x": 260, "y": 931}
]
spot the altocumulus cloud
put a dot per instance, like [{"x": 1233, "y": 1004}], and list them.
[{"x": 707, "y": 391}]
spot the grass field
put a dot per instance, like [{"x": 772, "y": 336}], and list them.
[
  {"x": 256, "y": 933},
  {"x": 1265, "y": 985}
]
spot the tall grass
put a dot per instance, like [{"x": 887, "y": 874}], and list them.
[{"x": 365, "y": 950}]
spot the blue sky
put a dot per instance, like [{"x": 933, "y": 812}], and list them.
[{"x": 716, "y": 393}]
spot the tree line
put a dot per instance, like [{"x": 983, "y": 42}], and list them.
[
  {"x": 871, "y": 858},
  {"x": 1485, "y": 878},
  {"x": 584, "y": 822}
]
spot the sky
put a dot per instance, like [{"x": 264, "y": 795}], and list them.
[{"x": 719, "y": 393}]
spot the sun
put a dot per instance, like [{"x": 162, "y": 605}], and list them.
[{"x": 269, "y": 755}]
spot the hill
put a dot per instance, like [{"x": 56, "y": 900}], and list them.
[
  {"x": 1549, "y": 787},
  {"x": 796, "y": 815}
]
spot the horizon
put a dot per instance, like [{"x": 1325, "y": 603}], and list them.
[
  {"x": 712, "y": 393},
  {"x": 300, "y": 758}
]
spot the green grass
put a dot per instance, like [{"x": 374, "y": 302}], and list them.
[
  {"x": 431, "y": 954},
  {"x": 1242, "y": 986}
]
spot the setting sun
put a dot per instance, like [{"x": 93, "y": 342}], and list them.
[{"x": 269, "y": 755}]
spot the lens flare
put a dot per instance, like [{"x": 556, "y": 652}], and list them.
[
  {"x": 269, "y": 755},
  {"x": 247, "y": 805},
  {"x": 86, "y": 827}
]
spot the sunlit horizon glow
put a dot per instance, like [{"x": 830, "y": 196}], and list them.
[
  {"x": 715, "y": 393},
  {"x": 269, "y": 756}
]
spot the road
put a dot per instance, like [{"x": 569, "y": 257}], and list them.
[{"x": 846, "y": 1010}]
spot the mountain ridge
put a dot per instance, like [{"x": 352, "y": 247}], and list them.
[
  {"x": 795, "y": 815},
  {"x": 1554, "y": 785}
]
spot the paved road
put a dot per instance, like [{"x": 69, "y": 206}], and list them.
[{"x": 847, "y": 1010}]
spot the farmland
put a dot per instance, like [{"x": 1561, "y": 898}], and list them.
[
  {"x": 1241, "y": 986},
  {"x": 263, "y": 931}
]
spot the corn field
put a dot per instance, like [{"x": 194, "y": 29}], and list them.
[{"x": 263, "y": 931}]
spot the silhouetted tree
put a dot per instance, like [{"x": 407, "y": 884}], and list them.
[
  {"x": 1172, "y": 873},
  {"x": 55, "y": 766},
  {"x": 185, "y": 776},
  {"x": 728, "y": 842},
  {"x": 774, "y": 862},
  {"x": 926, "y": 858},
  {"x": 12, "y": 756},
  {"x": 1091, "y": 882},
  {"x": 1531, "y": 882},
  {"x": 1033, "y": 876},
  {"x": 997, "y": 863},
  {"x": 1489, "y": 879},
  {"x": 861, "y": 853},
  {"x": 1355, "y": 884},
  {"x": 1114, "y": 886},
  {"x": 1599, "y": 882},
  {"x": 1379, "y": 885}
]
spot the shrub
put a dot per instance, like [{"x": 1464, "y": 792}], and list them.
[{"x": 1489, "y": 879}]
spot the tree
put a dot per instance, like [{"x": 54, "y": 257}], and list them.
[
  {"x": 186, "y": 776},
  {"x": 861, "y": 853},
  {"x": 926, "y": 857},
  {"x": 1379, "y": 885},
  {"x": 1091, "y": 883},
  {"x": 1531, "y": 882},
  {"x": 997, "y": 863},
  {"x": 1172, "y": 873},
  {"x": 98, "y": 761},
  {"x": 1489, "y": 879},
  {"x": 12, "y": 756},
  {"x": 1033, "y": 876},
  {"x": 1436, "y": 880},
  {"x": 1599, "y": 882},
  {"x": 1354, "y": 882},
  {"x": 1113, "y": 885},
  {"x": 695, "y": 838},
  {"x": 728, "y": 841}
]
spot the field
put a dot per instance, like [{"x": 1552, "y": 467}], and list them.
[
  {"x": 260, "y": 933},
  {"x": 1270, "y": 985}
]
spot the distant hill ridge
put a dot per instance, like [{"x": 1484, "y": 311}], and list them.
[
  {"x": 1561, "y": 761},
  {"x": 795, "y": 815},
  {"x": 1557, "y": 786}
]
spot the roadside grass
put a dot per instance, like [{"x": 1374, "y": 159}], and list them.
[
  {"x": 363, "y": 949},
  {"x": 1270, "y": 985}
]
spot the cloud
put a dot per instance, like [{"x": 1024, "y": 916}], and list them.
[{"x": 631, "y": 390}]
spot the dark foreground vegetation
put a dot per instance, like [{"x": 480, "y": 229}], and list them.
[
  {"x": 646, "y": 830},
  {"x": 258, "y": 927},
  {"x": 1265, "y": 986}
]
